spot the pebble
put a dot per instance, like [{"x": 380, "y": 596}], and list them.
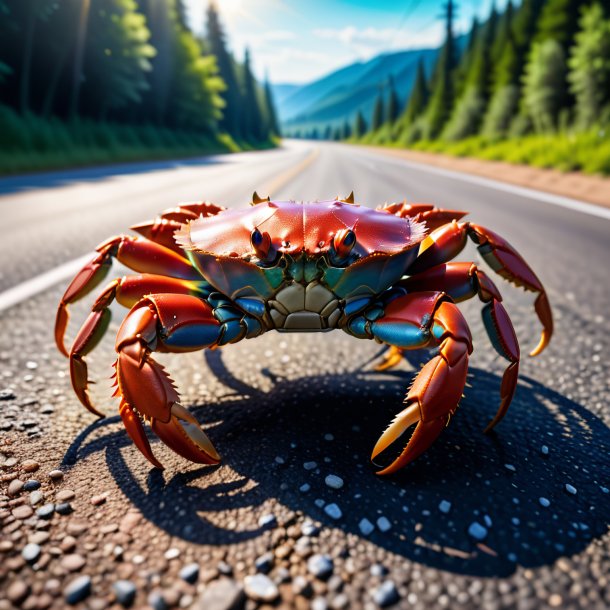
[
  {"x": 333, "y": 511},
  {"x": 329, "y": 437},
  {"x": 444, "y": 506},
  {"x": 340, "y": 602},
  {"x": 36, "y": 497},
  {"x": 477, "y": 531},
  {"x": 125, "y": 592},
  {"x": 98, "y": 500},
  {"x": 22, "y": 512},
  {"x": 261, "y": 588},
  {"x": 6, "y": 546},
  {"x": 510, "y": 467},
  {"x": 365, "y": 526},
  {"x": 309, "y": 528},
  {"x": 378, "y": 569},
  {"x": 67, "y": 544},
  {"x": 7, "y": 394},
  {"x": 320, "y": 566},
  {"x": 15, "y": 487},
  {"x": 305, "y": 488},
  {"x": 570, "y": 489},
  {"x": 268, "y": 520},
  {"x": 310, "y": 465},
  {"x": 386, "y": 594},
  {"x": 78, "y": 590},
  {"x": 264, "y": 563},
  {"x": 544, "y": 450},
  {"x": 190, "y": 573},
  {"x": 56, "y": 475},
  {"x": 301, "y": 586},
  {"x": 31, "y": 364},
  {"x": 319, "y": 603},
  {"x": 333, "y": 481},
  {"x": 72, "y": 562},
  {"x": 46, "y": 511},
  {"x": 222, "y": 594},
  {"x": 156, "y": 601},
  {"x": 383, "y": 524},
  {"x": 31, "y": 552},
  {"x": 172, "y": 553},
  {"x": 17, "y": 591},
  {"x": 64, "y": 508},
  {"x": 30, "y": 465},
  {"x": 64, "y": 495},
  {"x": 279, "y": 460},
  {"x": 31, "y": 485},
  {"x": 544, "y": 502}
]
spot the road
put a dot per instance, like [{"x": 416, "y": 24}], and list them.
[{"x": 282, "y": 401}]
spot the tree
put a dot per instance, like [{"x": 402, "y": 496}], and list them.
[
  {"x": 346, "y": 132},
  {"x": 559, "y": 21},
  {"x": 377, "y": 117},
  {"x": 589, "y": 67},
  {"x": 360, "y": 127},
  {"x": 418, "y": 98},
  {"x": 116, "y": 57},
  {"x": 272, "y": 126},
  {"x": 393, "y": 107},
  {"x": 543, "y": 84},
  {"x": 252, "y": 127},
  {"x": 230, "y": 121},
  {"x": 441, "y": 98}
]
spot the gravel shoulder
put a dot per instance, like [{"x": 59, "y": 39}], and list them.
[{"x": 593, "y": 189}]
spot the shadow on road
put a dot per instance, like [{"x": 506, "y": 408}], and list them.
[{"x": 496, "y": 481}]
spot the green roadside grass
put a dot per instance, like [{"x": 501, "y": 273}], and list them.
[
  {"x": 587, "y": 152},
  {"x": 31, "y": 143}
]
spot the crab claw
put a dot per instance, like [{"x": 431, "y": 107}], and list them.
[
  {"x": 184, "y": 435},
  {"x": 423, "y": 436},
  {"x": 135, "y": 429}
]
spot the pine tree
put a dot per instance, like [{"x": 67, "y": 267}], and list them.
[
  {"x": 559, "y": 21},
  {"x": 346, "y": 131},
  {"x": 377, "y": 117},
  {"x": 230, "y": 121},
  {"x": 441, "y": 98},
  {"x": 589, "y": 67},
  {"x": 272, "y": 126},
  {"x": 252, "y": 127},
  {"x": 360, "y": 126},
  {"x": 393, "y": 103},
  {"x": 418, "y": 97},
  {"x": 543, "y": 84},
  {"x": 469, "y": 109}
]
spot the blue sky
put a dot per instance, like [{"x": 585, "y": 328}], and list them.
[{"x": 296, "y": 41}]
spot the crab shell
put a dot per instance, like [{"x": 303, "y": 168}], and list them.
[{"x": 221, "y": 248}]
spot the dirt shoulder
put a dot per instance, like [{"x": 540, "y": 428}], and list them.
[{"x": 593, "y": 189}]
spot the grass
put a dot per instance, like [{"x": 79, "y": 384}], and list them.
[
  {"x": 588, "y": 152},
  {"x": 32, "y": 143}
]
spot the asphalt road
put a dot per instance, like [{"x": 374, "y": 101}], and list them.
[{"x": 278, "y": 404}]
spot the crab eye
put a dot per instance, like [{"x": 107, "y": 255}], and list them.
[
  {"x": 261, "y": 243},
  {"x": 343, "y": 242},
  {"x": 256, "y": 238}
]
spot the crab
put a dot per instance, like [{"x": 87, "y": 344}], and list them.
[{"x": 207, "y": 276}]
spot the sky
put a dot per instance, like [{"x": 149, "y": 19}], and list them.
[{"x": 297, "y": 41}]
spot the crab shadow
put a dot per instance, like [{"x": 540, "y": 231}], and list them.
[{"x": 497, "y": 481}]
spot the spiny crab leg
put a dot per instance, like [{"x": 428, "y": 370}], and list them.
[
  {"x": 138, "y": 254},
  {"x": 163, "y": 322},
  {"x": 445, "y": 243},
  {"x": 410, "y": 322}
]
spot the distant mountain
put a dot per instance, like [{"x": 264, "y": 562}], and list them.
[{"x": 339, "y": 95}]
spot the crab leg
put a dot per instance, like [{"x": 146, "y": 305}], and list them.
[
  {"x": 445, "y": 243},
  {"x": 127, "y": 290},
  {"x": 433, "y": 217},
  {"x": 161, "y": 230},
  {"x": 411, "y": 322},
  {"x": 463, "y": 281},
  {"x": 163, "y": 322},
  {"x": 138, "y": 254}
]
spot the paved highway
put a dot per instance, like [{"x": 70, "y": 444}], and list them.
[{"x": 285, "y": 411}]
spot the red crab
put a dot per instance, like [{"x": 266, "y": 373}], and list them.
[{"x": 208, "y": 276}]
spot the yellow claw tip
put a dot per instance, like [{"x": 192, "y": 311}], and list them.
[{"x": 544, "y": 341}]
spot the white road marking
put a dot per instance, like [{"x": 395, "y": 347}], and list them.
[
  {"x": 564, "y": 202},
  {"x": 41, "y": 282}
]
